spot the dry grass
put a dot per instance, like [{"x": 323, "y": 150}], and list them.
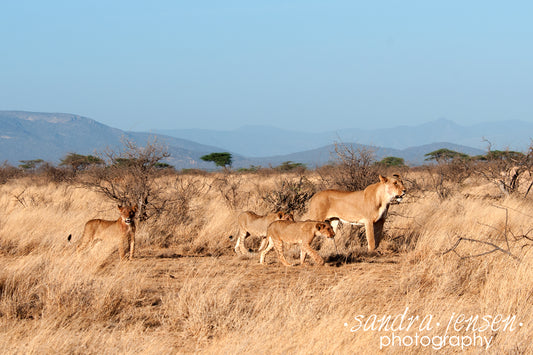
[{"x": 188, "y": 292}]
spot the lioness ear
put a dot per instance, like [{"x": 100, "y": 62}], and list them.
[
  {"x": 119, "y": 207},
  {"x": 134, "y": 208},
  {"x": 382, "y": 178}
]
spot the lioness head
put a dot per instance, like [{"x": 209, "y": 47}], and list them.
[
  {"x": 127, "y": 213},
  {"x": 393, "y": 187},
  {"x": 325, "y": 229},
  {"x": 284, "y": 216}
]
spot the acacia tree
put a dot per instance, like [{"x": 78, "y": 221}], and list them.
[
  {"x": 451, "y": 167},
  {"x": 445, "y": 155},
  {"x": 78, "y": 162},
  {"x": 392, "y": 161},
  {"x": 30, "y": 165},
  {"x": 223, "y": 159}
]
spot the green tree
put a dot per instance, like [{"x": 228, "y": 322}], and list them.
[
  {"x": 289, "y": 165},
  {"x": 163, "y": 166},
  {"x": 220, "y": 159},
  {"x": 445, "y": 155},
  {"x": 392, "y": 161},
  {"x": 507, "y": 155},
  {"x": 30, "y": 164},
  {"x": 80, "y": 162}
]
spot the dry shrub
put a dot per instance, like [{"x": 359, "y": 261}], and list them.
[
  {"x": 353, "y": 170},
  {"x": 8, "y": 172},
  {"x": 229, "y": 187},
  {"x": 49, "y": 173},
  {"x": 445, "y": 176},
  {"x": 289, "y": 195},
  {"x": 179, "y": 217},
  {"x": 129, "y": 177},
  {"x": 506, "y": 170}
]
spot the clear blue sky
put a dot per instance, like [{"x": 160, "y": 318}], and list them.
[{"x": 334, "y": 64}]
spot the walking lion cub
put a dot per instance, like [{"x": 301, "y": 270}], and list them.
[
  {"x": 250, "y": 223},
  {"x": 303, "y": 232},
  {"x": 122, "y": 230}
]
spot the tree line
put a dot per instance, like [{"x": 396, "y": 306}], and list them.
[{"x": 78, "y": 162}]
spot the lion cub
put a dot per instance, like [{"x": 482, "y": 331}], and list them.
[
  {"x": 250, "y": 223},
  {"x": 280, "y": 232},
  {"x": 123, "y": 230}
]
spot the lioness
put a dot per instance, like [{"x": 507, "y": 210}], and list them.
[
  {"x": 251, "y": 223},
  {"x": 123, "y": 230},
  {"x": 368, "y": 207},
  {"x": 303, "y": 232}
]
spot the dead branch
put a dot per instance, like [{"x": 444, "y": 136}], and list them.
[
  {"x": 494, "y": 246},
  {"x": 20, "y": 199}
]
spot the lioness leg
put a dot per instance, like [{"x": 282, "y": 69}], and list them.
[
  {"x": 278, "y": 245},
  {"x": 121, "y": 251},
  {"x": 335, "y": 224},
  {"x": 303, "y": 254},
  {"x": 86, "y": 237},
  {"x": 132, "y": 246},
  {"x": 306, "y": 249},
  {"x": 378, "y": 231},
  {"x": 82, "y": 244},
  {"x": 369, "y": 230},
  {"x": 239, "y": 246},
  {"x": 268, "y": 248},
  {"x": 264, "y": 242}
]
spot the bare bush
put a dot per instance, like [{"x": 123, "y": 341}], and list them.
[
  {"x": 129, "y": 178},
  {"x": 228, "y": 185},
  {"x": 8, "y": 172},
  {"x": 446, "y": 174},
  {"x": 179, "y": 211},
  {"x": 289, "y": 195},
  {"x": 354, "y": 168},
  {"x": 504, "y": 169},
  {"x": 50, "y": 173}
]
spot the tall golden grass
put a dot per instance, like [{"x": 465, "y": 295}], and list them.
[{"x": 186, "y": 291}]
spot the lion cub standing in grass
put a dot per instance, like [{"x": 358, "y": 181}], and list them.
[
  {"x": 250, "y": 223},
  {"x": 123, "y": 230},
  {"x": 280, "y": 232}
]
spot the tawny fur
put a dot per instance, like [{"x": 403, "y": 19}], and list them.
[
  {"x": 122, "y": 231},
  {"x": 303, "y": 232},
  {"x": 367, "y": 207},
  {"x": 250, "y": 223}
]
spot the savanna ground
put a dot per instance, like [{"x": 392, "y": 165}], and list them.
[{"x": 187, "y": 291}]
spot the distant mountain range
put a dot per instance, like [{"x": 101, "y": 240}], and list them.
[
  {"x": 259, "y": 141},
  {"x": 323, "y": 155},
  {"x": 50, "y": 136}
]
